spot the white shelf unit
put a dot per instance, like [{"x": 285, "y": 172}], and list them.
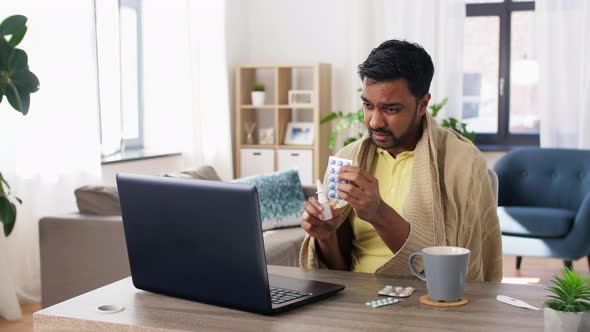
[{"x": 279, "y": 79}]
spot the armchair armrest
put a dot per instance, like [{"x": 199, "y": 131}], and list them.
[
  {"x": 578, "y": 235},
  {"x": 80, "y": 252}
]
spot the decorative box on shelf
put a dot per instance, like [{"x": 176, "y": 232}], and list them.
[{"x": 300, "y": 97}]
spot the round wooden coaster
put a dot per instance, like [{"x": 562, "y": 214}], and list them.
[{"x": 426, "y": 300}]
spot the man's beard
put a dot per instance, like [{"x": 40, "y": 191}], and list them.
[{"x": 396, "y": 141}]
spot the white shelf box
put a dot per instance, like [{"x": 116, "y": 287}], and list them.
[
  {"x": 302, "y": 160},
  {"x": 256, "y": 161},
  {"x": 300, "y": 98}
]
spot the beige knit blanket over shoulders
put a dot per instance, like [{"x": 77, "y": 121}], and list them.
[{"x": 450, "y": 203}]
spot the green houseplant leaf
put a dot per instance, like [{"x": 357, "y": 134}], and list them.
[
  {"x": 451, "y": 123},
  {"x": 14, "y": 26},
  {"x": 350, "y": 120},
  {"x": 7, "y": 208},
  {"x": 7, "y": 214},
  {"x": 17, "y": 82},
  {"x": 570, "y": 293},
  {"x": 345, "y": 121},
  {"x": 329, "y": 118},
  {"x": 435, "y": 108}
]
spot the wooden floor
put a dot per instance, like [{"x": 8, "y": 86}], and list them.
[
  {"x": 538, "y": 270},
  {"x": 23, "y": 325},
  {"x": 532, "y": 271}
]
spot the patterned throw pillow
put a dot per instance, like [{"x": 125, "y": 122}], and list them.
[{"x": 281, "y": 198}]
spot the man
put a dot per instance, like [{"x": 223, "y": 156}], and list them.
[{"x": 413, "y": 184}]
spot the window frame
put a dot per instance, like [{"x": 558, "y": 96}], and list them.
[
  {"x": 503, "y": 10},
  {"x": 134, "y": 143}
]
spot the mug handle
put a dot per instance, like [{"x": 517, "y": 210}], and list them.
[{"x": 413, "y": 268}]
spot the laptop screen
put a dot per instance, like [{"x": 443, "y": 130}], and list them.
[{"x": 195, "y": 239}]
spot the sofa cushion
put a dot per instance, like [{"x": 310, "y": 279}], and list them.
[
  {"x": 535, "y": 221},
  {"x": 201, "y": 173},
  {"x": 104, "y": 200},
  {"x": 281, "y": 198},
  {"x": 98, "y": 200},
  {"x": 282, "y": 246}
]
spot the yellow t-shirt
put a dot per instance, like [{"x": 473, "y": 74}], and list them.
[{"x": 369, "y": 252}]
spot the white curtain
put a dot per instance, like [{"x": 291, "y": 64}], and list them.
[
  {"x": 54, "y": 149},
  {"x": 211, "y": 112},
  {"x": 185, "y": 81},
  {"x": 167, "y": 78},
  {"x": 434, "y": 24},
  {"x": 563, "y": 41}
]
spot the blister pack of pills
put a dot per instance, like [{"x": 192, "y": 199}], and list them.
[
  {"x": 333, "y": 170},
  {"x": 382, "y": 302},
  {"x": 397, "y": 291}
]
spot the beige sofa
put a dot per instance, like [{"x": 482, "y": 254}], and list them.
[{"x": 83, "y": 251}]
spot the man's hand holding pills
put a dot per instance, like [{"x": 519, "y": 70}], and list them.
[{"x": 362, "y": 192}]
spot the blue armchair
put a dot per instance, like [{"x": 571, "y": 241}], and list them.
[{"x": 544, "y": 203}]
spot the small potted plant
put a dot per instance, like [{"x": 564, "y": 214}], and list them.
[
  {"x": 258, "y": 94},
  {"x": 568, "y": 306}
]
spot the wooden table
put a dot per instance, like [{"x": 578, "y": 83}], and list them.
[{"x": 145, "y": 311}]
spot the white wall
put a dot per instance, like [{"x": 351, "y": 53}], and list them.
[
  {"x": 153, "y": 166},
  {"x": 236, "y": 32},
  {"x": 271, "y": 31},
  {"x": 492, "y": 157},
  {"x": 237, "y": 52}
]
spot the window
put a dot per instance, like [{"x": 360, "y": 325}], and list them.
[
  {"x": 119, "y": 56},
  {"x": 131, "y": 99},
  {"x": 500, "y": 80}
]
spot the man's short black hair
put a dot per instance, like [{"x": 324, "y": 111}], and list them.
[{"x": 395, "y": 59}]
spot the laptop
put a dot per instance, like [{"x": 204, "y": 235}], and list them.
[{"x": 202, "y": 241}]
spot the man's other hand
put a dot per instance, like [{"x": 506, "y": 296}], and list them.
[
  {"x": 362, "y": 193},
  {"x": 312, "y": 220}
]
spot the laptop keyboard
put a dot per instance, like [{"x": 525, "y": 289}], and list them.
[{"x": 281, "y": 295}]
